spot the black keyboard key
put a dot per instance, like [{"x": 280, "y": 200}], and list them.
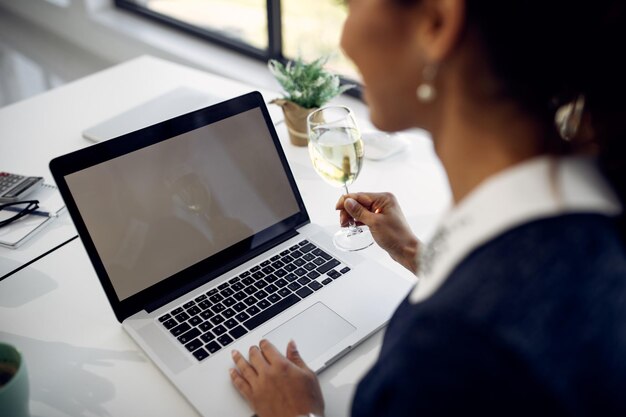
[
  {"x": 233, "y": 281},
  {"x": 328, "y": 266},
  {"x": 344, "y": 270},
  {"x": 271, "y": 278},
  {"x": 310, "y": 266},
  {"x": 304, "y": 280},
  {"x": 321, "y": 253},
  {"x": 284, "y": 292},
  {"x": 239, "y": 307},
  {"x": 308, "y": 257},
  {"x": 280, "y": 273},
  {"x": 227, "y": 292},
  {"x": 299, "y": 262},
  {"x": 205, "y": 326},
  {"x": 194, "y": 321},
  {"x": 333, "y": 274},
  {"x": 263, "y": 304},
  {"x": 247, "y": 281},
  {"x": 177, "y": 311},
  {"x": 268, "y": 270},
  {"x": 307, "y": 248},
  {"x": 285, "y": 252},
  {"x": 314, "y": 285},
  {"x": 287, "y": 259},
  {"x": 244, "y": 274},
  {"x": 304, "y": 292},
  {"x": 217, "y": 319},
  {"x": 189, "y": 304},
  {"x": 201, "y": 354},
  {"x": 250, "y": 300},
  {"x": 274, "y": 298},
  {"x": 277, "y": 264},
  {"x": 319, "y": 261},
  {"x": 274, "y": 310},
  {"x": 294, "y": 247},
  {"x": 218, "y": 308},
  {"x": 211, "y": 292},
  {"x": 271, "y": 289},
  {"x": 265, "y": 263},
  {"x": 207, "y": 314},
  {"x": 258, "y": 275},
  {"x": 222, "y": 285},
  {"x": 165, "y": 317},
  {"x": 291, "y": 277},
  {"x": 204, "y": 304},
  {"x": 189, "y": 336},
  {"x": 255, "y": 268},
  {"x": 182, "y": 317},
  {"x": 225, "y": 340},
  {"x": 275, "y": 258},
  {"x": 260, "y": 284},
  {"x": 327, "y": 281},
  {"x": 238, "y": 286},
  {"x": 290, "y": 268},
  {"x": 304, "y": 242},
  {"x": 170, "y": 323},
  {"x": 180, "y": 329},
  {"x": 300, "y": 272},
  {"x": 260, "y": 295},
  {"x": 213, "y": 347},
  {"x": 216, "y": 298},
  {"x": 207, "y": 337},
  {"x": 313, "y": 274},
  {"x": 219, "y": 330},
  {"x": 193, "y": 345},
  {"x": 237, "y": 332},
  {"x": 240, "y": 295},
  {"x": 253, "y": 310},
  {"x": 194, "y": 311},
  {"x": 230, "y": 323},
  {"x": 281, "y": 283},
  {"x": 250, "y": 290},
  {"x": 242, "y": 316},
  {"x": 229, "y": 302},
  {"x": 296, "y": 254},
  {"x": 294, "y": 286},
  {"x": 228, "y": 313}
]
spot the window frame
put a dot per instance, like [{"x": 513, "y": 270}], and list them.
[{"x": 274, "y": 36}]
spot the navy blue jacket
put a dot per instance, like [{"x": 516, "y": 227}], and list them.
[{"x": 531, "y": 323}]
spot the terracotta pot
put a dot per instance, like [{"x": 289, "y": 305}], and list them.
[{"x": 295, "y": 119}]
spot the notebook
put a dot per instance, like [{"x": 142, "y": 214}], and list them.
[
  {"x": 202, "y": 243},
  {"x": 20, "y": 231}
]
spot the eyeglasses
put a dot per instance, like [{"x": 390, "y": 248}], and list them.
[{"x": 29, "y": 207}]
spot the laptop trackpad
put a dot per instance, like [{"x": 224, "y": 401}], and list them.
[{"x": 315, "y": 330}]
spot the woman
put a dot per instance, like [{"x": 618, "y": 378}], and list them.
[{"x": 521, "y": 306}]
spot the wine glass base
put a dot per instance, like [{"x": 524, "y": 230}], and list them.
[{"x": 350, "y": 241}]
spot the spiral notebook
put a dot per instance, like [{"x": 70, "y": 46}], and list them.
[{"x": 20, "y": 231}]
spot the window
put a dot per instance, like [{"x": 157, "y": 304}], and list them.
[{"x": 263, "y": 29}]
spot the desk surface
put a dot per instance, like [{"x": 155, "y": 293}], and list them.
[{"x": 80, "y": 361}]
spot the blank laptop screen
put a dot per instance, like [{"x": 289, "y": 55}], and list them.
[{"x": 156, "y": 211}]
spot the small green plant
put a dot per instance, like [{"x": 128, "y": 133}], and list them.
[{"x": 307, "y": 84}]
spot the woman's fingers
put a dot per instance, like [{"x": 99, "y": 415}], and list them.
[
  {"x": 241, "y": 385},
  {"x": 245, "y": 369},
  {"x": 257, "y": 360},
  {"x": 271, "y": 354}
]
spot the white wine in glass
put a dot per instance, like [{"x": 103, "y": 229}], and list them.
[{"x": 336, "y": 151}]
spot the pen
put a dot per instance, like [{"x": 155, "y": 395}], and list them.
[{"x": 34, "y": 212}]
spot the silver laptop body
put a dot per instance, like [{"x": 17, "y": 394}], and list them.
[{"x": 177, "y": 216}]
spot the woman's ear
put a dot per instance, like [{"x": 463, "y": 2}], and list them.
[{"x": 439, "y": 27}]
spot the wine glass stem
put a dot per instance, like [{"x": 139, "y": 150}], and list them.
[{"x": 353, "y": 229}]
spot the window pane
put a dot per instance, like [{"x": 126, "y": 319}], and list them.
[
  {"x": 312, "y": 29},
  {"x": 243, "y": 20}
]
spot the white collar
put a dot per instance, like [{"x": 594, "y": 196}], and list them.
[{"x": 540, "y": 188}]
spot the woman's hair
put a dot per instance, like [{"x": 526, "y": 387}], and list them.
[{"x": 545, "y": 53}]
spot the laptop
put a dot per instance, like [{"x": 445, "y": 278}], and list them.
[{"x": 202, "y": 243}]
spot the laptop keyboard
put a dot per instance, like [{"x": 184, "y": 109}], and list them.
[{"x": 213, "y": 320}]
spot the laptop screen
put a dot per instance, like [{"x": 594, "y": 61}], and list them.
[{"x": 160, "y": 209}]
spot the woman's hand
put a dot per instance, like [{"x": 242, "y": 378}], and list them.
[
  {"x": 275, "y": 385},
  {"x": 382, "y": 214}
]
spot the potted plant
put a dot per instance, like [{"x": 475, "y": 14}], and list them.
[{"x": 307, "y": 87}]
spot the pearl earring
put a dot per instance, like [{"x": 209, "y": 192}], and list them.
[
  {"x": 568, "y": 118},
  {"x": 426, "y": 92}
]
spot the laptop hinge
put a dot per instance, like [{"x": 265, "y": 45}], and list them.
[{"x": 217, "y": 272}]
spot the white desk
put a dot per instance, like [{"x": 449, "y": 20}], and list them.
[{"x": 80, "y": 360}]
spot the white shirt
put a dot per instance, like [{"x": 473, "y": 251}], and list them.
[{"x": 539, "y": 188}]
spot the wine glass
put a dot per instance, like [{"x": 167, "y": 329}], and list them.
[{"x": 336, "y": 151}]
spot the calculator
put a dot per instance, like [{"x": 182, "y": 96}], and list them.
[{"x": 14, "y": 187}]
